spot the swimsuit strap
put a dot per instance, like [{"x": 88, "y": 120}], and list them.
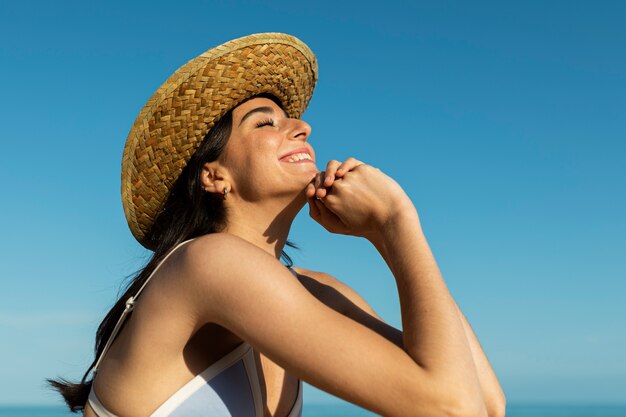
[{"x": 130, "y": 305}]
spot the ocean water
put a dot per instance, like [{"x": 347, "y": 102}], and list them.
[{"x": 323, "y": 410}]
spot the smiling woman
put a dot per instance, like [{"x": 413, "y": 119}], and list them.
[{"x": 215, "y": 169}]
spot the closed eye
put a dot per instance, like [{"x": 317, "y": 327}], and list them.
[{"x": 266, "y": 122}]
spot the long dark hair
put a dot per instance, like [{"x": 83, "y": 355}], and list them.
[{"x": 188, "y": 212}]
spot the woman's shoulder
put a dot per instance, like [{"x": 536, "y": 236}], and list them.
[
  {"x": 213, "y": 249},
  {"x": 187, "y": 269},
  {"x": 210, "y": 239},
  {"x": 224, "y": 244},
  {"x": 222, "y": 264}
]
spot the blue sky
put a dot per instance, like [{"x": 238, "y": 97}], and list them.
[{"x": 504, "y": 123}]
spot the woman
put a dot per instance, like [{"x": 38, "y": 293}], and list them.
[{"x": 215, "y": 169}]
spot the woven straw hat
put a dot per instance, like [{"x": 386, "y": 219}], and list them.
[{"x": 175, "y": 120}]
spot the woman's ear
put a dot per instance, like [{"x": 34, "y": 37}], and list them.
[{"x": 214, "y": 178}]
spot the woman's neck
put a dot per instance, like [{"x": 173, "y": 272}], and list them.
[{"x": 266, "y": 226}]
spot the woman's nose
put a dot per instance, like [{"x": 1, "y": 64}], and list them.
[{"x": 300, "y": 130}]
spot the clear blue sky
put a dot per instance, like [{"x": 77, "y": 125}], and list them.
[{"x": 505, "y": 124}]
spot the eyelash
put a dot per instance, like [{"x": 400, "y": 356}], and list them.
[{"x": 267, "y": 122}]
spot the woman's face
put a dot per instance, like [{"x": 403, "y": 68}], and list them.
[{"x": 255, "y": 155}]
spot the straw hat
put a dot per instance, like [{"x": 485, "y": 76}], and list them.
[{"x": 175, "y": 120}]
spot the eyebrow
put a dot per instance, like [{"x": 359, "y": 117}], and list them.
[{"x": 264, "y": 109}]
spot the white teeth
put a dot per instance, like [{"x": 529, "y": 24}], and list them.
[{"x": 299, "y": 157}]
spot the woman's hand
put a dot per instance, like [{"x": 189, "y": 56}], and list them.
[{"x": 354, "y": 198}]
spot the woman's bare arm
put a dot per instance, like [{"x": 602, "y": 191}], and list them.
[
  {"x": 348, "y": 208},
  {"x": 433, "y": 331},
  {"x": 237, "y": 285},
  {"x": 354, "y": 306},
  {"x": 492, "y": 393}
]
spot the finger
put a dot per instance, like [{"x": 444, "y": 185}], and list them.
[
  {"x": 347, "y": 166},
  {"x": 321, "y": 192},
  {"x": 329, "y": 174},
  {"x": 314, "y": 211},
  {"x": 328, "y": 218},
  {"x": 319, "y": 189},
  {"x": 321, "y": 211},
  {"x": 310, "y": 190},
  {"x": 330, "y": 201},
  {"x": 324, "y": 212},
  {"x": 312, "y": 186},
  {"x": 318, "y": 180}
]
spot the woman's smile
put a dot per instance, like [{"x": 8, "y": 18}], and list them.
[
  {"x": 298, "y": 157},
  {"x": 297, "y": 154}
]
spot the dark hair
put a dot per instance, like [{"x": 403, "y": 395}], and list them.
[{"x": 188, "y": 212}]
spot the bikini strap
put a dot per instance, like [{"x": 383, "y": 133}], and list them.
[{"x": 130, "y": 305}]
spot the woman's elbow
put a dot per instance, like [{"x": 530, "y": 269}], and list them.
[
  {"x": 451, "y": 408},
  {"x": 487, "y": 408},
  {"x": 484, "y": 405},
  {"x": 471, "y": 409},
  {"x": 496, "y": 407}
]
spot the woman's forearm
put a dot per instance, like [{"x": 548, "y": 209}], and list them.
[{"x": 433, "y": 332}]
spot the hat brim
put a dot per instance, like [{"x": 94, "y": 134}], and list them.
[{"x": 175, "y": 120}]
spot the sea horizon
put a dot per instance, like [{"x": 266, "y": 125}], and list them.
[{"x": 526, "y": 409}]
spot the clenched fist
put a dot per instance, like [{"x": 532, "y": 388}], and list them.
[{"x": 354, "y": 198}]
